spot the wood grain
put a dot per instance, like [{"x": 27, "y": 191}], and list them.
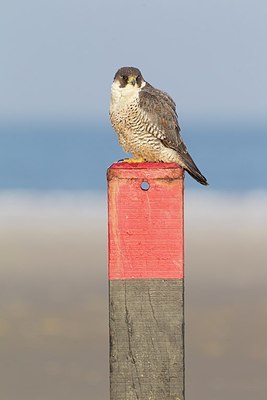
[{"x": 146, "y": 340}]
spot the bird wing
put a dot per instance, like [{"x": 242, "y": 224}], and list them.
[
  {"x": 159, "y": 113},
  {"x": 159, "y": 110}
]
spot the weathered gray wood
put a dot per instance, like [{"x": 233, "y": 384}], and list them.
[{"x": 146, "y": 339}]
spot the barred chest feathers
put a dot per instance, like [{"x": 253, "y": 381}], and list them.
[{"x": 123, "y": 100}]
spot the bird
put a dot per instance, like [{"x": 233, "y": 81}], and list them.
[{"x": 146, "y": 122}]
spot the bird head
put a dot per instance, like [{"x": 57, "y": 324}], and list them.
[{"x": 129, "y": 76}]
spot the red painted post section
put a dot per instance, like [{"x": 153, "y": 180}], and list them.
[
  {"x": 146, "y": 238},
  {"x": 146, "y": 287}
]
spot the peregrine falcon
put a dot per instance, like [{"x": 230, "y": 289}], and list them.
[{"x": 146, "y": 122}]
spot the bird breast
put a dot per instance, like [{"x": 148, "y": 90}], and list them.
[
  {"x": 122, "y": 97},
  {"x": 123, "y": 102}
]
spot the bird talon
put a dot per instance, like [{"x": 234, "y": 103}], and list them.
[{"x": 133, "y": 160}]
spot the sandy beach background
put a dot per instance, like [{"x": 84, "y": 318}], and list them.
[{"x": 53, "y": 296}]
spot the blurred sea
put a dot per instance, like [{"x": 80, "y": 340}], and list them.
[{"x": 75, "y": 155}]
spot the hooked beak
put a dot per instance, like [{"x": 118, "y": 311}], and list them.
[{"x": 133, "y": 81}]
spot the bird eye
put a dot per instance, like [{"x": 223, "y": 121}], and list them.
[{"x": 125, "y": 78}]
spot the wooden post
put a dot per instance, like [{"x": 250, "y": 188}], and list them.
[{"x": 146, "y": 289}]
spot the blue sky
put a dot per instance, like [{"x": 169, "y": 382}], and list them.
[{"x": 58, "y": 57}]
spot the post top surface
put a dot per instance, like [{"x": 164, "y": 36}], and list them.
[
  {"x": 145, "y": 165},
  {"x": 124, "y": 170}
]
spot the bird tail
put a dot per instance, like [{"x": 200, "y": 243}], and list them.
[
  {"x": 196, "y": 174},
  {"x": 193, "y": 170}
]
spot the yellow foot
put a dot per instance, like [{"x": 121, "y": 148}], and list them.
[{"x": 133, "y": 160}]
